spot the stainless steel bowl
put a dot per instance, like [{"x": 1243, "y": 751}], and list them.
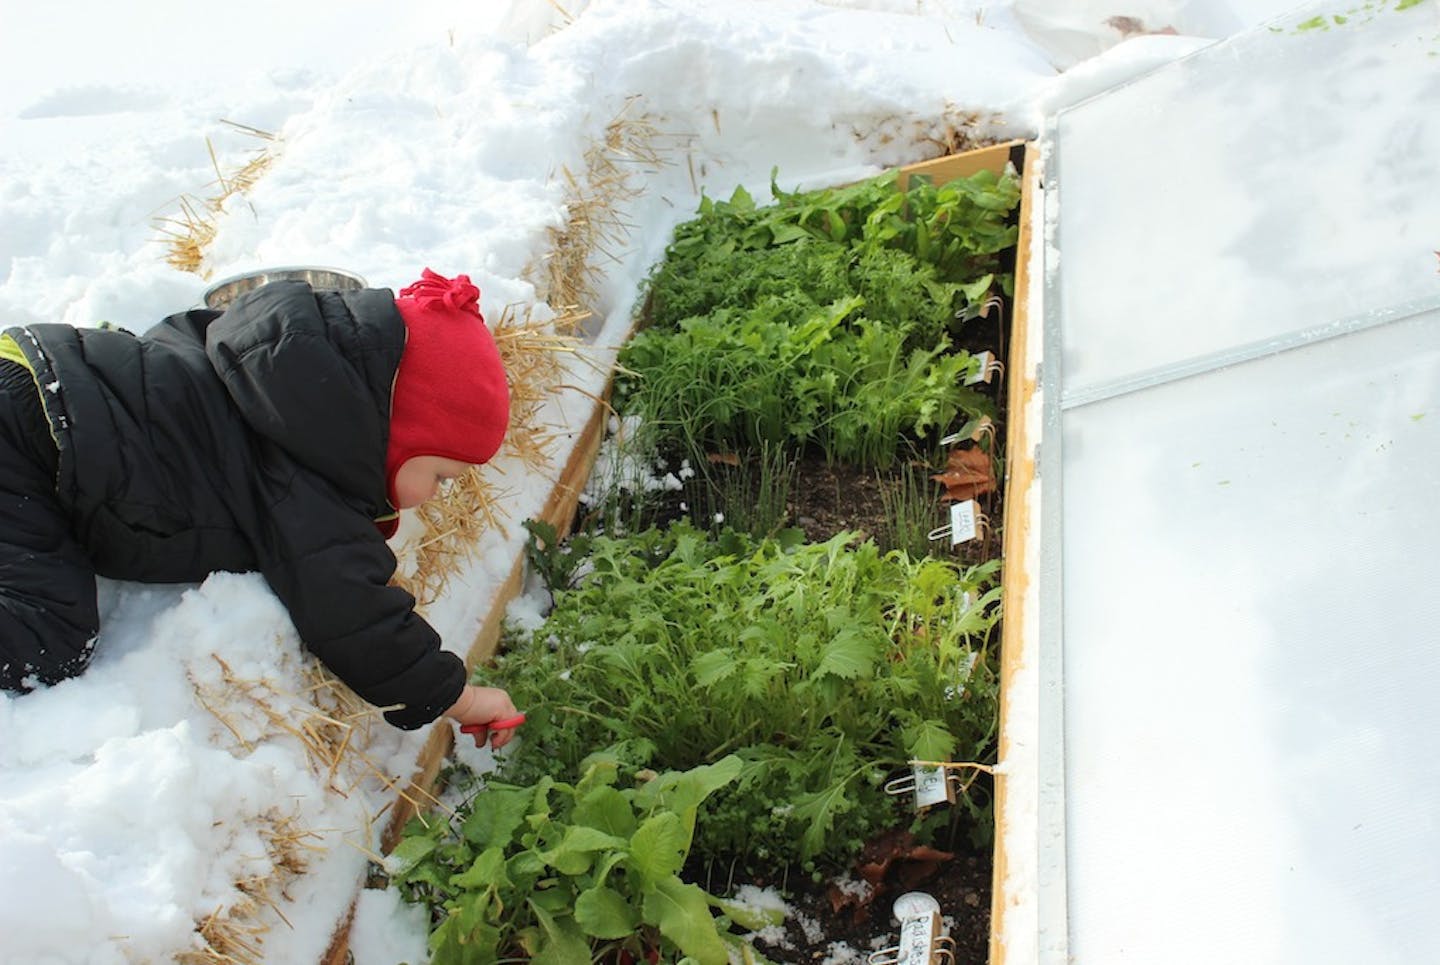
[{"x": 219, "y": 295}]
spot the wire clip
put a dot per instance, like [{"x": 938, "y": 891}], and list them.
[
  {"x": 920, "y": 940},
  {"x": 989, "y": 365},
  {"x": 966, "y": 523},
  {"x": 930, "y": 784}
]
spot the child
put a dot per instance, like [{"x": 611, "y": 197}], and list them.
[{"x": 281, "y": 436}]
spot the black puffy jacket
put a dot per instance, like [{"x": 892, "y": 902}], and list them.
[{"x": 251, "y": 440}]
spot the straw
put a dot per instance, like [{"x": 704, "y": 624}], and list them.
[{"x": 187, "y": 236}]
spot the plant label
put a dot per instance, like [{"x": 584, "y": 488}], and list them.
[
  {"x": 962, "y": 522},
  {"x": 917, "y": 939},
  {"x": 932, "y": 787},
  {"x": 982, "y": 374}
]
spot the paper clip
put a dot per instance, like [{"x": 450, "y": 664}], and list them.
[
  {"x": 931, "y": 786},
  {"x": 989, "y": 365},
  {"x": 974, "y": 431},
  {"x": 966, "y": 523},
  {"x": 920, "y": 940},
  {"x": 981, "y": 309}
]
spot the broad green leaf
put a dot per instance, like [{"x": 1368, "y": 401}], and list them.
[
  {"x": 606, "y": 809},
  {"x": 578, "y": 837},
  {"x": 525, "y": 864},
  {"x": 599, "y": 773},
  {"x": 472, "y": 912},
  {"x": 604, "y": 913},
  {"x": 576, "y": 851},
  {"x": 555, "y": 895},
  {"x": 749, "y": 917},
  {"x": 850, "y": 654},
  {"x": 712, "y": 667},
  {"x": 429, "y": 873},
  {"x": 569, "y": 863},
  {"x": 781, "y": 234},
  {"x": 928, "y": 740},
  {"x": 759, "y": 672},
  {"x": 682, "y": 913},
  {"x": 408, "y": 853},
  {"x": 559, "y": 942},
  {"x": 658, "y": 847},
  {"x": 444, "y": 943},
  {"x": 976, "y": 290},
  {"x": 817, "y": 811},
  {"x": 682, "y": 791},
  {"x": 487, "y": 871}
]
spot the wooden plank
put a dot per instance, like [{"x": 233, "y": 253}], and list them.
[
  {"x": 564, "y": 499},
  {"x": 1022, "y": 435},
  {"x": 950, "y": 167}
]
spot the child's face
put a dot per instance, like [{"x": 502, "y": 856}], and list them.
[{"x": 419, "y": 478}]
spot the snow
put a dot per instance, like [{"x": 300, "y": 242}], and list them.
[
  {"x": 436, "y": 133},
  {"x": 1248, "y": 476}
]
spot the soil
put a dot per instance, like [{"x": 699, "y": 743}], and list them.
[
  {"x": 827, "y": 923},
  {"x": 826, "y": 499}
]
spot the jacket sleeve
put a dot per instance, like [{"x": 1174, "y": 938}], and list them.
[{"x": 331, "y": 568}]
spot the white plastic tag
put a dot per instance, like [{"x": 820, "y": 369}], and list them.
[
  {"x": 931, "y": 787},
  {"x": 917, "y": 940},
  {"x": 981, "y": 374},
  {"x": 962, "y": 522}
]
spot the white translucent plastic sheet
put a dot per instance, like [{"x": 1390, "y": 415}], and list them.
[
  {"x": 1270, "y": 183},
  {"x": 1252, "y": 660}
]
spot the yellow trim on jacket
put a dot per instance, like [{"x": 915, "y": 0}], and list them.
[{"x": 10, "y": 349}]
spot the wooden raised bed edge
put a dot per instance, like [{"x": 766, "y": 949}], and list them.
[
  {"x": 560, "y": 510},
  {"x": 1021, "y": 435}
]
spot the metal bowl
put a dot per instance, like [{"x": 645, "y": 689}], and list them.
[{"x": 219, "y": 295}]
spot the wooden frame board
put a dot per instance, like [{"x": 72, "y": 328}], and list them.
[{"x": 1022, "y": 434}]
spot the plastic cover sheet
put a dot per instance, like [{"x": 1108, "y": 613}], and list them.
[
  {"x": 1273, "y": 182},
  {"x": 1251, "y": 616}
]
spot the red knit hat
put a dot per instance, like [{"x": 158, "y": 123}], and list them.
[{"x": 451, "y": 398}]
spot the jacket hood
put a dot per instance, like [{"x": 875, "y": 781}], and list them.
[{"x": 313, "y": 373}]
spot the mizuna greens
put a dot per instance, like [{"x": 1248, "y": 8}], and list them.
[
  {"x": 825, "y": 320},
  {"x": 823, "y": 668}
]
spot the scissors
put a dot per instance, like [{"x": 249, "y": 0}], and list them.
[{"x": 482, "y": 731}]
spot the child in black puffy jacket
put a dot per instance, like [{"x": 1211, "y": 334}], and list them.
[{"x": 283, "y": 436}]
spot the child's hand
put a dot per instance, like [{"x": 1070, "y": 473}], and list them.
[{"x": 481, "y": 706}]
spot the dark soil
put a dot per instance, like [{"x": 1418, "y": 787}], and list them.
[
  {"x": 831, "y": 923},
  {"x": 826, "y": 499}
]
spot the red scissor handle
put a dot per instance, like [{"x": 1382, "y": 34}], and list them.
[{"x": 482, "y": 731}]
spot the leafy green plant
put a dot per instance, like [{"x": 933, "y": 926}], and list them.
[
  {"x": 732, "y": 381},
  {"x": 827, "y": 319},
  {"x": 823, "y": 668},
  {"x": 554, "y": 560},
  {"x": 572, "y": 873}
]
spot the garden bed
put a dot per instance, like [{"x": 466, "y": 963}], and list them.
[{"x": 807, "y": 497}]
